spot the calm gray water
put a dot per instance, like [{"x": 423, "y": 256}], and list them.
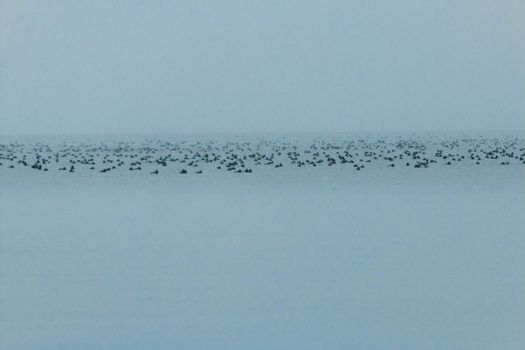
[{"x": 310, "y": 260}]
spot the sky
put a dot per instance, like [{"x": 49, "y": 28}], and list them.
[{"x": 106, "y": 66}]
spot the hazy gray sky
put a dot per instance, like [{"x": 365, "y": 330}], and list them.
[{"x": 297, "y": 65}]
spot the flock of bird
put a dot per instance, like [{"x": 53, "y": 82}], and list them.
[{"x": 251, "y": 155}]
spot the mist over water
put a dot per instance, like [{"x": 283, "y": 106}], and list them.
[
  {"x": 262, "y": 174},
  {"x": 252, "y": 66}
]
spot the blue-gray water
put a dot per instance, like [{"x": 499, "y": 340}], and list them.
[{"x": 383, "y": 258}]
